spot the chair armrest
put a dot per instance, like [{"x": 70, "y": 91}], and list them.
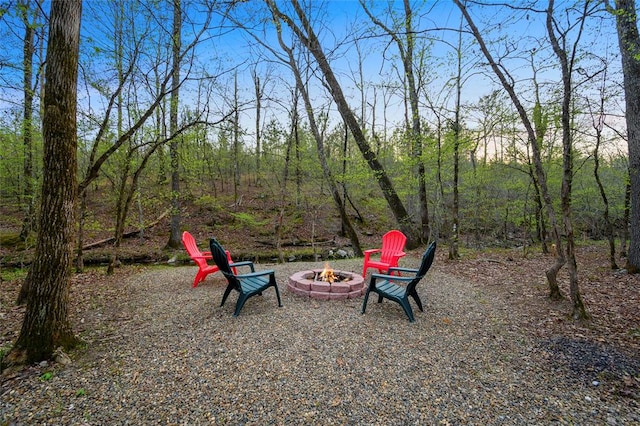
[
  {"x": 201, "y": 257},
  {"x": 257, "y": 274},
  {"x": 401, "y": 278},
  {"x": 244, "y": 263},
  {"x": 368, "y": 253},
  {"x": 395, "y": 256},
  {"x": 401, "y": 269}
]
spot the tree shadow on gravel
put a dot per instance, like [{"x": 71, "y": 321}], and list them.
[{"x": 596, "y": 363}]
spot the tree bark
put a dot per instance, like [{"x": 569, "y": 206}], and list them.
[
  {"x": 629, "y": 41},
  {"x": 176, "y": 40},
  {"x": 46, "y": 325},
  {"x": 28, "y": 193}
]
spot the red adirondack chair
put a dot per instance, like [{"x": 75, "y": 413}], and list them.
[
  {"x": 200, "y": 258},
  {"x": 392, "y": 250}
]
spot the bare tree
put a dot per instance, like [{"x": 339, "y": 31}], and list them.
[
  {"x": 598, "y": 115},
  {"x": 46, "y": 324},
  {"x": 317, "y": 134},
  {"x": 567, "y": 56},
  {"x": 508, "y": 82},
  {"x": 308, "y": 38},
  {"x": 259, "y": 93},
  {"x": 406, "y": 44}
]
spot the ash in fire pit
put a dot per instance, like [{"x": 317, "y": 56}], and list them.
[{"x": 327, "y": 284}]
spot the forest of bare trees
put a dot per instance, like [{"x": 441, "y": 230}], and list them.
[{"x": 471, "y": 123}]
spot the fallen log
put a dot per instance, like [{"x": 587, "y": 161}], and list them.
[{"x": 126, "y": 234}]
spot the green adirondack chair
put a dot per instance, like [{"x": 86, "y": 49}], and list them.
[
  {"x": 387, "y": 288},
  {"x": 247, "y": 285}
]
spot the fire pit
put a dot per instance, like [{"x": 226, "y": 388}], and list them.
[{"x": 327, "y": 284}]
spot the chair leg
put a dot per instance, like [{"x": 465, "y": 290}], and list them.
[
  {"x": 278, "y": 295},
  {"x": 226, "y": 294},
  {"x": 415, "y": 296},
  {"x": 240, "y": 303},
  {"x": 407, "y": 309},
  {"x": 366, "y": 298},
  {"x": 199, "y": 277}
]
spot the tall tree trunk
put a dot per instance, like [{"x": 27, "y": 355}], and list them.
[
  {"x": 406, "y": 48},
  {"x": 259, "y": 92},
  {"x": 598, "y": 126},
  {"x": 46, "y": 324},
  {"x": 629, "y": 41},
  {"x": 174, "y": 236},
  {"x": 455, "y": 207},
  {"x": 566, "y": 67},
  {"x": 82, "y": 213},
  {"x": 123, "y": 175},
  {"x": 28, "y": 49},
  {"x": 625, "y": 219},
  {"x": 279, "y": 225},
  {"x": 541, "y": 125},
  {"x": 121, "y": 211},
  {"x": 552, "y": 272},
  {"x": 309, "y": 39},
  {"x": 236, "y": 139},
  {"x": 326, "y": 171}
]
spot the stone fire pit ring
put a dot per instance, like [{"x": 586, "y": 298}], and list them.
[{"x": 303, "y": 283}]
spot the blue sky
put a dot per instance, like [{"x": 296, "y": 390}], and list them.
[{"x": 233, "y": 49}]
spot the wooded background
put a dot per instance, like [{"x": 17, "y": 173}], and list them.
[
  {"x": 236, "y": 121},
  {"x": 467, "y": 122}
]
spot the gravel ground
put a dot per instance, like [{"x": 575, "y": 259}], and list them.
[{"x": 165, "y": 353}]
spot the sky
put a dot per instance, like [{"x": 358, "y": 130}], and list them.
[{"x": 227, "y": 54}]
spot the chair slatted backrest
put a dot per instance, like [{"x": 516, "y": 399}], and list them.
[
  {"x": 392, "y": 243},
  {"x": 220, "y": 258},
  {"x": 190, "y": 244},
  {"x": 427, "y": 260}
]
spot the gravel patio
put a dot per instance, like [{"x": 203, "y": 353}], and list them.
[{"x": 161, "y": 352}]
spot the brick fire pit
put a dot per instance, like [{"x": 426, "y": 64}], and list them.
[{"x": 305, "y": 283}]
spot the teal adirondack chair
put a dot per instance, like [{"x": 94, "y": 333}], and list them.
[
  {"x": 247, "y": 285},
  {"x": 388, "y": 287}
]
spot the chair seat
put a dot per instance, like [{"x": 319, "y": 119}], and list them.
[
  {"x": 391, "y": 289},
  {"x": 254, "y": 284},
  {"x": 378, "y": 265}
]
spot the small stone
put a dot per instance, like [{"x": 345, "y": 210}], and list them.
[{"x": 60, "y": 357}]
